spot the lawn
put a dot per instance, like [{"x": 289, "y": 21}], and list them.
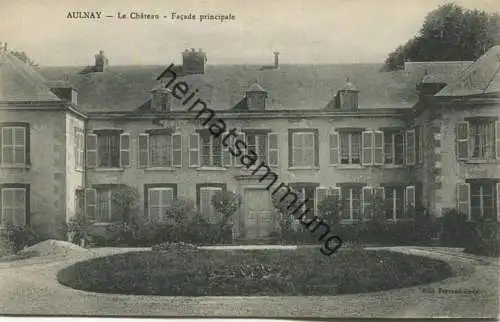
[{"x": 252, "y": 272}]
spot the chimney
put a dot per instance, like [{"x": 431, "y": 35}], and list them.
[
  {"x": 193, "y": 62},
  {"x": 101, "y": 62},
  {"x": 276, "y": 59}
]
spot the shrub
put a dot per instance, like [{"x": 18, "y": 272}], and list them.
[
  {"x": 225, "y": 203},
  {"x": 330, "y": 210},
  {"x": 179, "y": 247},
  {"x": 455, "y": 231},
  {"x": 485, "y": 239},
  {"x": 125, "y": 201},
  {"x": 12, "y": 239}
]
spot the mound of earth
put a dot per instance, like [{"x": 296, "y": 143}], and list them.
[{"x": 53, "y": 247}]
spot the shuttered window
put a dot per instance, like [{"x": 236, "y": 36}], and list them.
[
  {"x": 194, "y": 150},
  {"x": 350, "y": 147},
  {"x": 303, "y": 149},
  {"x": 13, "y": 145},
  {"x": 367, "y": 146},
  {"x": 14, "y": 202}
]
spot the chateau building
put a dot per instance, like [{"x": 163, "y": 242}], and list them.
[{"x": 426, "y": 136}]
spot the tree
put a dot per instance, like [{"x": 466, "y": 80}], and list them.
[
  {"x": 226, "y": 203},
  {"x": 449, "y": 33}
]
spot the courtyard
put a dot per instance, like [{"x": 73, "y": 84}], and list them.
[{"x": 30, "y": 286}]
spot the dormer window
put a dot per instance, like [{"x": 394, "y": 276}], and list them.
[
  {"x": 160, "y": 100},
  {"x": 256, "y": 97},
  {"x": 348, "y": 97}
]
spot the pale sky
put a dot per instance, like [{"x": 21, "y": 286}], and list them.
[{"x": 314, "y": 31}]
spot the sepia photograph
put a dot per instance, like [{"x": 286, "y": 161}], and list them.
[{"x": 250, "y": 159}]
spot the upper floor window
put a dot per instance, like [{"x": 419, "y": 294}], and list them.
[
  {"x": 303, "y": 148},
  {"x": 79, "y": 151},
  {"x": 350, "y": 147},
  {"x": 108, "y": 149},
  {"x": 14, "y": 145},
  {"x": 160, "y": 150},
  {"x": 478, "y": 139},
  {"x": 394, "y": 147},
  {"x": 14, "y": 204},
  {"x": 211, "y": 150}
]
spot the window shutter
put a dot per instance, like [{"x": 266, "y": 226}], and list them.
[
  {"x": 237, "y": 159},
  {"x": 367, "y": 144},
  {"x": 378, "y": 148},
  {"x": 463, "y": 199},
  {"x": 227, "y": 157},
  {"x": 321, "y": 194},
  {"x": 90, "y": 203},
  {"x": 334, "y": 148},
  {"x": 462, "y": 140},
  {"x": 124, "y": 150},
  {"x": 410, "y": 200},
  {"x": 272, "y": 150},
  {"x": 177, "y": 150},
  {"x": 367, "y": 200},
  {"x": 421, "y": 144},
  {"x": 410, "y": 147},
  {"x": 497, "y": 140},
  {"x": 498, "y": 201},
  {"x": 91, "y": 150},
  {"x": 143, "y": 152},
  {"x": 194, "y": 150}
]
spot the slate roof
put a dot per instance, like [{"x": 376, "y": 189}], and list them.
[
  {"x": 126, "y": 88},
  {"x": 480, "y": 78},
  {"x": 20, "y": 82}
]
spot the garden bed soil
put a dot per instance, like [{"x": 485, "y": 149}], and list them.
[{"x": 269, "y": 272}]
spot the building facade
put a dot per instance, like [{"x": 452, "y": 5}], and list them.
[{"x": 427, "y": 136}]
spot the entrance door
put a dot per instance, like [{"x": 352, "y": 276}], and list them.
[{"x": 259, "y": 221}]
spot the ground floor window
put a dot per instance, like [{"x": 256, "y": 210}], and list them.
[
  {"x": 394, "y": 203},
  {"x": 14, "y": 204},
  {"x": 351, "y": 203},
  {"x": 159, "y": 199},
  {"x": 205, "y": 194},
  {"x": 483, "y": 200}
]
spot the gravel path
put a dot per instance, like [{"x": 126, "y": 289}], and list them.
[{"x": 30, "y": 287}]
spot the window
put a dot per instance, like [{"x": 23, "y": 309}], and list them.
[
  {"x": 108, "y": 149},
  {"x": 98, "y": 204},
  {"x": 303, "y": 149},
  {"x": 372, "y": 147},
  {"x": 211, "y": 150},
  {"x": 258, "y": 143},
  {"x": 372, "y": 197},
  {"x": 205, "y": 206},
  {"x": 476, "y": 140},
  {"x": 304, "y": 191},
  {"x": 394, "y": 200},
  {"x": 79, "y": 151},
  {"x": 478, "y": 199},
  {"x": 393, "y": 147},
  {"x": 351, "y": 199},
  {"x": 14, "y": 205},
  {"x": 14, "y": 145},
  {"x": 350, "y": 147},
  {"x": 159, "y": 199}
]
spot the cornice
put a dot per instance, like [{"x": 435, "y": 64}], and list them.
[{"x": 276, "y": 114}]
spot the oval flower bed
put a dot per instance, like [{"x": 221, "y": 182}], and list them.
[{"x": 249, "y": 273}]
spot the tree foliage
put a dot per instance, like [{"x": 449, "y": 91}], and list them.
[{"x": 449, "y": 33}]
